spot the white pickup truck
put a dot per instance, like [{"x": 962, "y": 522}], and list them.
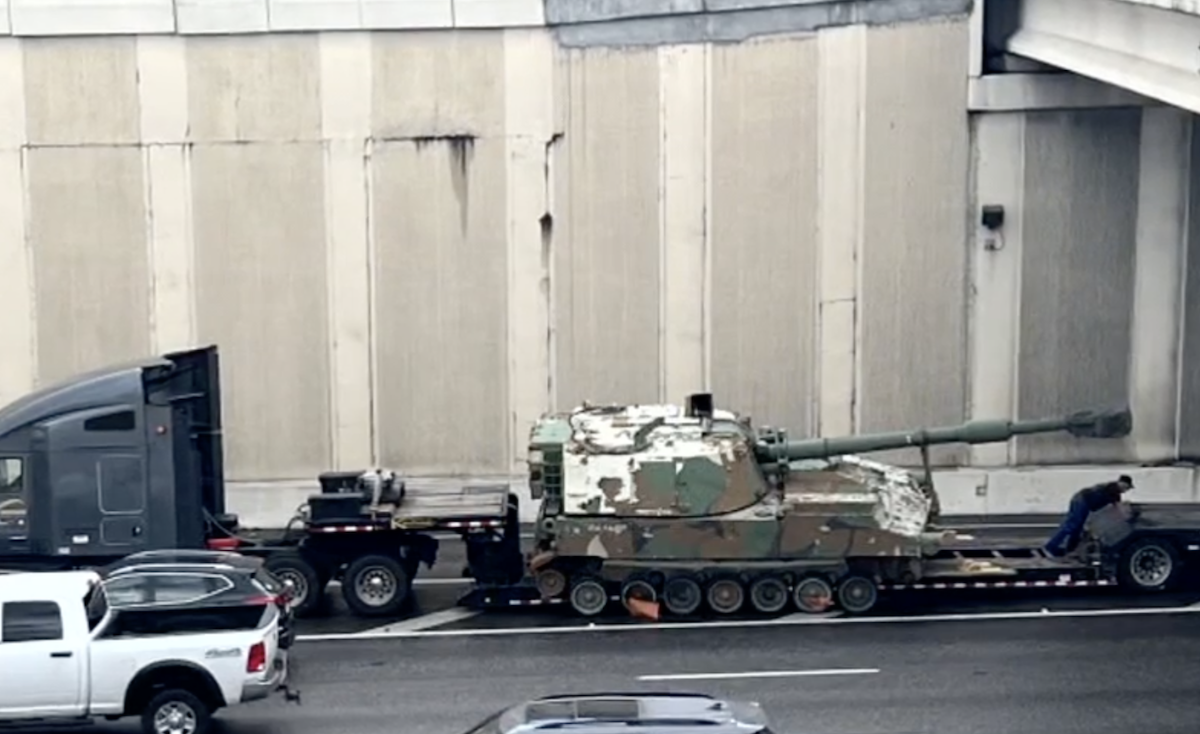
[{"x": 64, "y": 655}]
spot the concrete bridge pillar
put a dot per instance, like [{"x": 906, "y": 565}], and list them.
[{"x": 1159, "y": 270}]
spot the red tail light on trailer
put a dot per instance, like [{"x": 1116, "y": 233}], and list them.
[{"x": 256, "y": 662}]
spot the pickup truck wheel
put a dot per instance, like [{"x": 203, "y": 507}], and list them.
[
  {"x": 375, "y": 586},
  {"x": 303, "y": 582},
  {"x": 176, "y": 711}
]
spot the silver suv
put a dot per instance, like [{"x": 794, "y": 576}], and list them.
[{"x": 640, "y": 713}]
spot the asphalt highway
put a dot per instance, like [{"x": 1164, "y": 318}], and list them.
[
  {"x": 1086, "y": 661},
  {"x": 1089, "y": 675}
]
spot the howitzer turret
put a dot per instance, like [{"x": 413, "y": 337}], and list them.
[{"x": 1084, "y": 424}]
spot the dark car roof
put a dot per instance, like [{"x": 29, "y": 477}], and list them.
[
  {"x": 188, "y": 558},
  {"x": 243, "y": 577},
  {"x": 641, "y": 712}
]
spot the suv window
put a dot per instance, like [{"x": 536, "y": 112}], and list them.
[
  {"x": 30, "y": 621},
  {"x": 12, "y": 494},
  {"x": 163, "y": 588}
]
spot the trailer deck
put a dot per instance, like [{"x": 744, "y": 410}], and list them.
[{"x": 426, "y": 508}]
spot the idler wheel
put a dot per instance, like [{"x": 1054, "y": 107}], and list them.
[
  {"x": 589, "y": 598},
  {"x": 725, "y": 596},
  {"x": 813, "y": 595},
  {"x": 551, "y": 583},
  {"x": 857, "y": 594},
  {"x": 769, "y": 595},
  {"x": 682, "y": 596}
]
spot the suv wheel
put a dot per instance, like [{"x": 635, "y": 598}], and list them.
[{"x": 176, "y": 711}]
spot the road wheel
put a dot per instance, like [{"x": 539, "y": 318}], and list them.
[
  {"x": 682, "y": 596},
  {"x": 589, "y": 597},
  {"x": 375, "y": 586},
  {"x": 1150, "y": 564},
  {"x": 176, "y": 711},
  {"x": 306, "y": 590},
  {"x": 639, "y": 589},
  {"x": 768, "y": 595},
  {"x": 813, "y": 595},
  {"x": 725, "y": 596},
  {"x": 857, "y": 594}
]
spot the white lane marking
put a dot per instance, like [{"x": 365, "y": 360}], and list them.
[
  {"x": 761, "y": 674},
  {"x": 425, "y": 621},
  {"x": 423, "y": 582},
  {"x": 750, "y": 623},
  {"x": 1013, "y": 526},
  {"x": 805, "y": 618}
]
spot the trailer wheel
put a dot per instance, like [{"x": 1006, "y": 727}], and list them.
[
  {"x": 682, "y": 596},
  {"x": 857, "y": 594},
  {"x": 375, "y": 586},
  {"x": 725, "y": 596},
  {"x": 305, "y": 587},
  {"x": 813, "y": 595},
  {"x": 589, "y": 597},
  {"x": 1149, "y": 564},
  {"x": 768, "y": 595}
]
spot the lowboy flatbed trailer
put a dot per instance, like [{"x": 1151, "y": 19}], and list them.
[{"x": 1152, "y": 552}]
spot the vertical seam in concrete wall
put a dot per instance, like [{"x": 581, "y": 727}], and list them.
[
  {"x": 162, "y": 87},
  {"x": 345, "y": 93},
  {"x": 682, "y": 71},
  {"x": 530, "y": 141},
  {"x": 841, "y": 206},
  {"x": 18, "y": 367},
  {"x": 664, "y": 278},
  {"x": 1018, "y": 287},
  {"x": 706, "y": 301},
  {"x": 372, "y": 300},
  {"x": 1180, "y": 338}
]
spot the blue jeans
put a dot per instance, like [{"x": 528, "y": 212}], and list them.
[{"x": 1070, "y": 532}]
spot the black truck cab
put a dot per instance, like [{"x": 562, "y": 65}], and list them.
[{"x": 112, "y": 462}]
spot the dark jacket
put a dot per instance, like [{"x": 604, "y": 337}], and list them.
[{"x": 1100, "y": 496}]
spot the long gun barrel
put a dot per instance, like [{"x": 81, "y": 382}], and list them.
[{"x": 1084, "y": 424}]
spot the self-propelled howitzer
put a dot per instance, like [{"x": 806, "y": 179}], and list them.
[{"x": 692, "y": 505}]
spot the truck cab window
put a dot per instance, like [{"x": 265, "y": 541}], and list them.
[
  {"x": 13, "y": 508},
  {"x": 30, "y": 621},
  {"x": 121, "y": 421}
]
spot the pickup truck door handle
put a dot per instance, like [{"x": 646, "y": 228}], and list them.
[{"x": 61, "y": 654}]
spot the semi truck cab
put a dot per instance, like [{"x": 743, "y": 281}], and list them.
[{"x": 112, "y": 462}]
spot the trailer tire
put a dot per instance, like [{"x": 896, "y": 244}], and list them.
[
  {"x": 1148, "y": 565},
  {"x": 376, "y": 586},
  {"x": 190, "y": 714},
  {"x": 306, "y": 583}
]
